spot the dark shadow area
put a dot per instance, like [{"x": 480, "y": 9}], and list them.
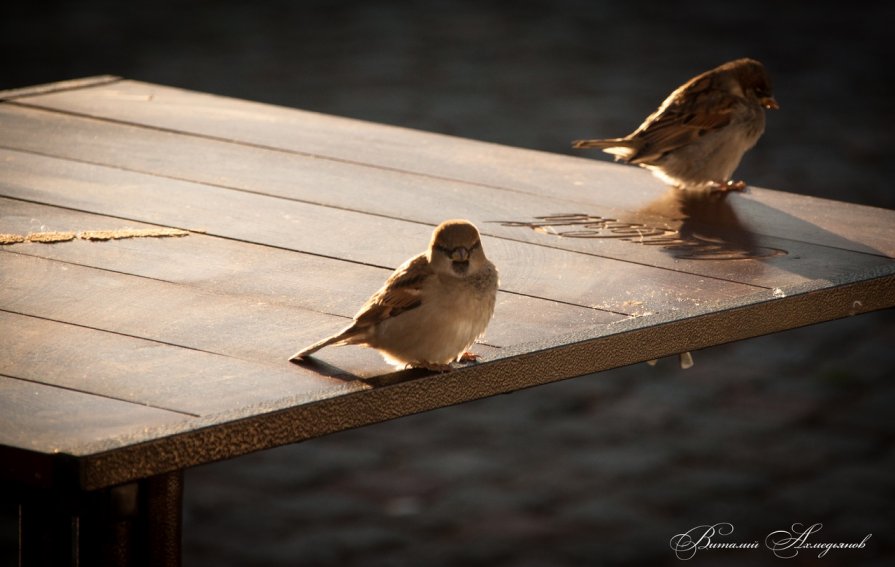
[
  {"x": 325, "y": 369},
  {"x": 705, "y": 227}
]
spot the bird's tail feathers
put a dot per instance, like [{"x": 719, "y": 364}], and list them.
[
  {"x": 340, "y": 338},
  {"x": 619, "y": 147}
]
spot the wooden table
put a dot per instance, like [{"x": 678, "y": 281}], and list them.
[{"x": 125, "y": 361}]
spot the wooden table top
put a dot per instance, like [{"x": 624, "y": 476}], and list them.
[{"x": 125, "y": 358}]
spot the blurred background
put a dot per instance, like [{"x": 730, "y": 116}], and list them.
[{"x": 598, "y": 470}]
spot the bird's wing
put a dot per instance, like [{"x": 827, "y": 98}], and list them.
[
  {"x": 401, "y": 292},
  {"x": 690, "y": 112}
]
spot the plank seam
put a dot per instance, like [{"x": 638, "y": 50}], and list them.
[
  {"x": 119, "y": 333},
  {"x": 98, "y": 395}
]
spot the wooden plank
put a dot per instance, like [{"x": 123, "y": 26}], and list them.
[
  {"x": 277, "y": 277},
  {"x": 587, "y": 181},
  {"x": 151, "y": 373},
  {"x": 50, "y": 420},
  {"x": 711, "y": 226},
  {"x": 246, "y": 327},
  {"x": 587, "y": 280}
]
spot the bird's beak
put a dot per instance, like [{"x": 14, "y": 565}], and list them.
[
  {"x": 770, "y": 103},
  {"x": 460, "y": 254}
]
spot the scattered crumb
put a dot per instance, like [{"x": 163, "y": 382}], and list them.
[
  {"x": 48, "y": 237},
  {"x": 99, "y": 235},
  {"x": 11, "y": 238},
  {"x": 131, "y": 233}
]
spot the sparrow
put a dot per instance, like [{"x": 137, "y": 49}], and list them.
[
  {"x": 699, "y": 134},
  {"x": 431, "y": 309}
]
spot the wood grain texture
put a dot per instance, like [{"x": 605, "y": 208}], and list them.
[
  {"x": 429, "y": 200},
  {"x": 272, "y": 277},
  {"x": 53, "y": 420},
  {"x": 633, "y": 340},
  {"x": 587, "y": 280},
  {"x": 151, "y": 373},
  {"x": 490, "y": 165},
  {"x": 298, "y": 218}
]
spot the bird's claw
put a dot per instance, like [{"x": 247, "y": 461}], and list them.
[
  {"x": 728, "y": 186},
  {"x": 468, "y": 357}
]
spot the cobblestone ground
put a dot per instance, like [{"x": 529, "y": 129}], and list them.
[{"x": 602, "y": 469}]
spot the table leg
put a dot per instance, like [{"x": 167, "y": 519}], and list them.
[
  {"x": 164, "y": 517},
  {"x": 132, "y": 525}
]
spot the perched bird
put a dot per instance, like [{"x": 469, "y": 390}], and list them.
[
  {"x": 432, "y": 308},
  {"x": 699, "y": 134}
]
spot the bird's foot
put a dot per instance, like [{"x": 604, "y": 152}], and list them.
[
  {"x": 728, "y": 186},
  {"x": 468, "y": 357},
  {"x": 432, "y": 366}
]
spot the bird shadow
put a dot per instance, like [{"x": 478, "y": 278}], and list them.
[
  {"x": 702, "y": 225},
  {"x": 748, "y": 239},
  {"x": 720, "y": 225},
  {"x": 376, "y": 375},
  {"x": 326, "y": 369}
]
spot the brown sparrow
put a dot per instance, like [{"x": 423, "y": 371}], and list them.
[
  {"x": 699, "y": 134},
  {"x": 431, "y": 309}
]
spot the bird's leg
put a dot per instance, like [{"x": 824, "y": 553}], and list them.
[
  {"x": 467, "y": 357},
  {"x": 728, "y": 186}
]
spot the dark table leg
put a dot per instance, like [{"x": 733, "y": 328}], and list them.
[
  {"x": 137, "y": 524},
  {"x": 164, "y": 517}
]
